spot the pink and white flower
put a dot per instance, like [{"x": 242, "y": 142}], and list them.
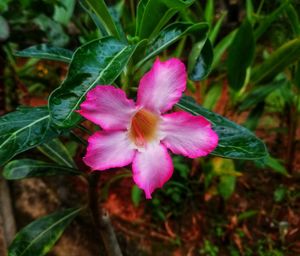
[{"x": 139, "y": 133}]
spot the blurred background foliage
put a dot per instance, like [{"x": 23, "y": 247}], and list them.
[{"x": 251, "y": 75}]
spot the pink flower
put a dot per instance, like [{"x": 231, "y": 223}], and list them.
[{"x": 139, "y": 133}]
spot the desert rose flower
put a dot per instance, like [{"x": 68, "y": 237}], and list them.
[{"x": 140, "y": 133}]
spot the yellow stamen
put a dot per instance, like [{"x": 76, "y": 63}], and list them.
[{"x": 143, "y": 127}]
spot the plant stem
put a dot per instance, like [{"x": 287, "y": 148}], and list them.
[{"x": 101, "y": 219}]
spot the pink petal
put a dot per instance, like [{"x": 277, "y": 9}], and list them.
[
  {"x": 152, "y": 168},
  {"x": 108, "y": 107},
  {"x": 188, "y": 135},
  {"x": 162, "y": 86},
  {"x": 109, "y": 149}
]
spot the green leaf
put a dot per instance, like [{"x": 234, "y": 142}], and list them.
[
  {"x": 213, "y": 33},
  {"x": 63, "y": 14},
  {"x": 24, "y": 129},
  {"x": 235, "y": 141},
  {"x": 200, "y": 61},
  {"x": 27, "y": 168},
  {"x": 152, "y": 15},
  {"x": 276, "y": 165},
  {"x": 101, "y": 10},
  {"x": 171, "y": 34},
  {"x": 209, "y": 11},
  {"x": 240, "y": 55},
  {"x": 97, "y": 62},
  {"x": 4, "y": 29},
  {"x": 259, "y": 94},
  {"x": 136, "y": 195},
  {"x": 221, "y": 47},
  {"x": 54, "y": 30},
  {"x": 254, "y": 116},
  {"x": 181, "y": 166},
  {"x": 226, "y": 185},
  {"x": 268, "y": 20},
  {"x": 280, "y": 193},
  {"x": 280, "y": 59},
  {"x": 97, "y": 21},
  {"x": 57, "y": 152},
  {"x": 139, "y": 14},
  {"x": 48, "y": 52},
  {"x": 39, "y": 237},
  {"x": 249, "y": 11},
  {"x": 247, "y": 214},
  {"x": 116, "y": 12},
  {"x": 225, "y": 170},
  {"x": 293, "y": 18},
  {"x": 4, "y": 5},
  {"x": 162, "y": 22},
  {"x": 211, "y": 98}
]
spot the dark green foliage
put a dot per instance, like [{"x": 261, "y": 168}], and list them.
[
  {"x": 27, "y": 168},
  {"x": 39, "y": 236},
  {"x": 240, "y": 55},
  {"x": 44, "y": 51},
  {"x": 97, "y": 62},
  {"x": 235, "y": 141},
  {"x": 24, "y": 129}
]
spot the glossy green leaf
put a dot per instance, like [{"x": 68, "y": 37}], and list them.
[
  {"x": 24, "y": 129},
  {"x": 152, "y": 15},
  {"x": 100, "y": 9},
  {"x": 27, "y": 168},
  {"x": 240, "y": 55},
  {"x": 235, "y": 141},
  {"x": 200, "y": 60},
  {"x": 97, "y": 62},
  {"x": 171, "y": 34},
  {"x": 39, "y": 237},
  {"x": 57, "y": 152},
  {"x": 280, "y": 59},
  {"x": 48, "y": 52}
]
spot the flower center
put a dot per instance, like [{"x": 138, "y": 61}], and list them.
[{"x": 143, "y": 127}]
